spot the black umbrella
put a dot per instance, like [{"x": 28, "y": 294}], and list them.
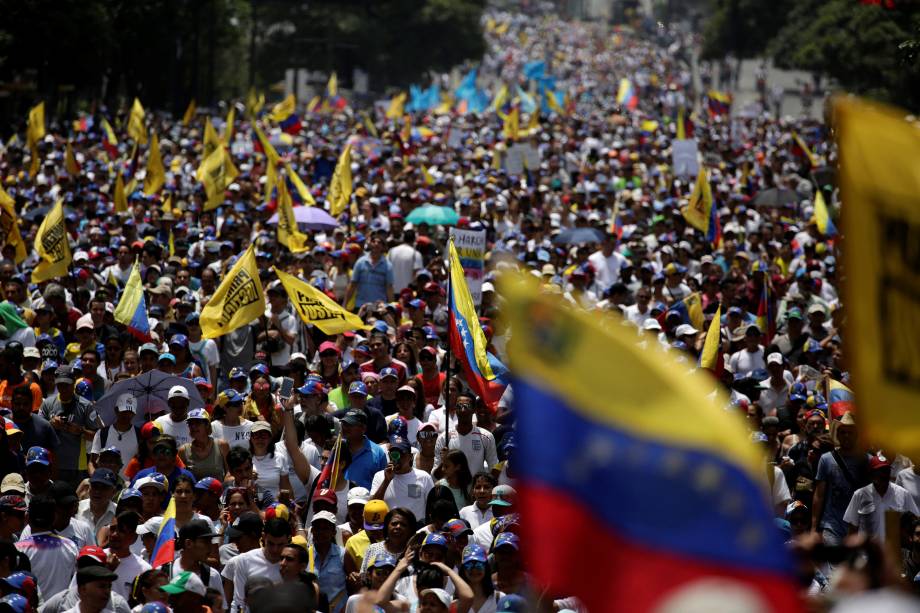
[
  {"x": 776, "y": 197},
  {"x": 39, "y": 211}
]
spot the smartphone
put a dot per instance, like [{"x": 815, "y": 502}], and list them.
[{"x": 287, "y": 386}]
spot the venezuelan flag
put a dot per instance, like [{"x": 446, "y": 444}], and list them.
[
  {"x": 718, "y": 103},
  {"x": 164, "y": 551},
  {"x": 638, "y": 492},
  {"x": 109, "y": 142},
  {"x": 132, "y": 308},
  {"x": 839, "y": 398},
  {"x": 485, "y": 374},
  {"x": 823, "y": 216},
  {"x": 626, "y": 96},
  {"x": 766, "y": 314}
]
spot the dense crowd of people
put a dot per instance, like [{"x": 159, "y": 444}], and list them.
[{"x": 417, "y": 501}]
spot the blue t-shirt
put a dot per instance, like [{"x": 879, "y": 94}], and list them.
[
  {"x": 369, "y": 460},
  {"x": 371, "y": 280},
  {"x": 330, "y": 574}
]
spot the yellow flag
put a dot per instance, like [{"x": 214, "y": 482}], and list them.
[
  {"x": 254, "y": 102},
  {"x": 313, "y": 105},
  {"x": 553, "y": 103},
  {"x": 9, "y": 225},
  {"x": 70, "y": 162},
  {"x": 228, "y": 129},
  {"x": 217, "y": 172},
  {"x": 315, "y": 307},
  {"x": 500, "y": 97},
  {"x": 369, "y": 124},
  {"x": 806, "y": 150},
  {"x": 397, "y": 104},
  {"x": 36, "y": 128},
  {"x": 709, "y": 357},
  {"x": 697, "y": 212},
  {"x": 511, "y": 127},
  {"x": 136, "y": 129},
  {"x": 172, "y": 243},
  {"x": 155, "y": 178},
  {"x": 332, "y": 87},
  {"x": 426, "y": 175},
  {"x": 288, "y": 234},
  {"x": 52, "y": 245},
  {"x": 533, "y": 126},
  {"x": 284, "y": 109},
  {"x": 167, "y": 206},
  {"x": 880, "y": 188},
  {"x": 271, "y": 163},
  {"x": 211, "y": 141},
  {"x": 299, "y": 185},
  {"x": 189, "y": 112},
  {"x": 502, "y": 28},
  {"x": 120, "y": 197},
  {"x": 340, "y": 186},
  {"x": 237, "y": 301}
]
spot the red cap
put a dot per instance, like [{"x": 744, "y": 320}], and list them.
[
  {"x": 93, "y": 551},
  {"x": 149, "y": 430},
  {"x": 327, "y": 345},
  {"x": 431, "y": 286},
  {"x": 326, "y": 495},
  {"x": 878, "y": 461}
]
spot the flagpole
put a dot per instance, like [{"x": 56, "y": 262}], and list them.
[{"x": 449, "y": 298}]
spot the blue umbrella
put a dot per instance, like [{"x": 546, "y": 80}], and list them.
[
  {"x": 434, "y": 215},
  {"x": 313, "y": 217},
  {"x": 579, "y": 236}
]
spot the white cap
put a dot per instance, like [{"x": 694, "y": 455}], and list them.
[
  {"x": 31, "y": 352},
  {"x": 442, "y": 595},
  {"x": 126, "y": 403},
  {"x": 685, "y": 330},
  {"x": 145, "y": 481},
  {"x": 177, "y": 391},
  {"x": 358, "y": 495},
  {"x": 85, "y": 321},
  {"x": 651, "y": 324},
  {"x": 775, "y": 358},
  {"x": 816, "y": 308},
  {"x": 298, "y": 356},
  {"x": 151, "y": 526},
  {"x": 487, "y": 287},
  {"x": 325, "y": 515}
]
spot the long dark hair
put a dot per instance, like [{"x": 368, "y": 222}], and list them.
[
  {"x": 406, "y": 514},
  {"x": 412, "y": 363},
  {"x": 465, "y": 476},
  {"x": 142, "y": 582},
  {"x": 441, "y": 503},
  {"x": 487, "y": 586}
]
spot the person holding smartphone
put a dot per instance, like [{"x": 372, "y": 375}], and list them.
[{"x": 399, "y": 484}]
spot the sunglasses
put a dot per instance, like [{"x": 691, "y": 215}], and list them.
[
  {"x": 426, "y": 434},
  {"x": 328, "y": 354},
  {"x": 474, "y": 565},
  {"x": 164, "y": 451}
]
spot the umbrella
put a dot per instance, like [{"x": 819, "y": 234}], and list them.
[
  {"x": 32, "y": 214},
  {"x": 579, "y": 236},
  {"x": 151, "y": 390},
  {"x": 776, "y": 197},
  {"x": 434, "y": 215},
  {"x": 314, "y": 218}
]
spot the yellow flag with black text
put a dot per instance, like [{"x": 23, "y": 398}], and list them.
[
  {"x": 9, "y": 226},
  {"x": 155, "y": 178},
  {"x": 52, "y": 245},
  {"x": 238, "y": 300},
  {"x": 340, "y": 186},
  {"x": 36, "y": 127},
  {"x": 211, "y": 141},
  {"x": 228, "y": 129},
  {"x": 136, "y": 128},
  {"x": 698, "y": 211},
  {"x": 217, "y": 172},
  {"x": 318, "y": 309},
  {"x": 880, "y": 227},
  {"x": 288, "y": 234}
]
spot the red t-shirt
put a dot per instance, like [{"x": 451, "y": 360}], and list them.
[{"x": 432, "y": 387}]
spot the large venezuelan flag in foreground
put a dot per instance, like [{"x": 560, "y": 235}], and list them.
[{"x": 638, "y": 491}]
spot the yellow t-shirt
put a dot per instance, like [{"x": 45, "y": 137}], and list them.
[{"x": 357, "y": 546}]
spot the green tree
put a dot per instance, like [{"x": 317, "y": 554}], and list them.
[{"x": 742, "y": 28}]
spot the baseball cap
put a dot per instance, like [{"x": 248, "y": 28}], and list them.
[
  {"x": 199, "y": 414},
  {"x": 237, "y": 373},
  {"x": 329, "y": 346},
  {"x": 407, "y": 389},
  {"x": 358, "y": 495},
  {"x": 511, "y": 603},
  {"x": 326, "y": 495},
  {"x": 277, "y": 510},
  {"x": 456, "y": 527},
  {"x": 20, "y": 582},
  {"x": 186, "y": 581},
  {"x": 326, "y": 516},
  {"x": 436, "y": 539},
  {"x": 154, "y": 607},
  {"x": 354, "y": 417},
  {"x": 63, "y": 375},
  {"x": 260, "y": 426},
  {"x": 879, "y": 461},
  {"x": 104, "y": 476},
  {"x": 31, "y": 352},
  {"x": 400, "y": 444},
  {"x": 17, "y": 603},
  {"x": 177, "y": 391},
  {"x": 232, "y": 396},
  {"x": 794, "y": 313},
  {"x": 167, "y": 357},
  {"x": 38, "y": 455},
  {"x": 151, "y": 526},
  {"x": 383, "y": 560},
  {"x": 95, "y": 552},
  {"x": 374, "y": 513},
  {"x": 13, "y": 482},
  {"x": 389, "y": 371},
  {"x": 685, "y": 330},
  {"x": 261, "y": 369},
  {"x": 148, "y": 347},
  {"x": 195, "y": 529},
  {"x": 180, "y": 340},
  {"x": 311, "y": 388},
  {"x": 94, "y": 572},
  {"x": 503, "y": 496},
  {"x": 474, "y": 553},
  {"x": 441, "y": 595},
  {"x": 126, "y": 403},
  {"x": 149, "y": 430},
  {"x": 13, "y": 503},
  {"x": 152, "y": 480},
  {"x": 247, "y": 523},
  {"x": 357, "y": 387},
  {"x": 507, "y": 538},
  {"x": 210, "y": 484},
  {"x": 129, "y": 493}
]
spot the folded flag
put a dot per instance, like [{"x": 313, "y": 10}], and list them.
[
  {"x": 614, "y": 443},
  {"x": 132, "y": 308}
]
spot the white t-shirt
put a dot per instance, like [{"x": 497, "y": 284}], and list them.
[
  {"x": 78, "y": 532},
  {"x": 125, "y": 441},
  {"x": 127, "y": 570},
  {"x": 477, "y": 445},
  {"x": 409, "y": 490},
  {"x": 606, "y": 269},
  {"x": 405, "y": 260},
  {"x": 53, "y": 560},
  {"x": 867, "y": 508},
  {"x": 236, "y": 436},
  {"x": 746, "y": 362},
  {"x": 176, "y": 429},
  {"x": 632, "y": 314},
  {"x": 214, "y": 580},
  {"x": 270, "y": 470},
  {"x": 289, "y": 324},
  {"x": 245, "y": 567},
  {"x": 205, "y": 351},
  {"x": 299, "y": 489},
  {"x": 910, "y": 481},
  {"x": 474, "y": 516},
  {"x": 780, "y": 488}
]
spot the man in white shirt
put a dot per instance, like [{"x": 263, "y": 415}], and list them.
[
  {"x": 53, "y": 557},
  {"x": 194, "y": 544},
  {"x": 405, "y": 261},
  {"x": 121, "y": 434},
  {"x": 639, "y": 312},
  {"x": 122, "y": 534},
  {"x": 261, "y": 562},
  {"x": 399, "y": 484},
  {"x": 98, "y": 510},
  {"x": 751, "y": 357},
  {"x": 607, "y": 264},
  {"x": 866, "y": 511},
  {"x": 173, "y": 423},
  {"x": 477, "y": 444}
]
